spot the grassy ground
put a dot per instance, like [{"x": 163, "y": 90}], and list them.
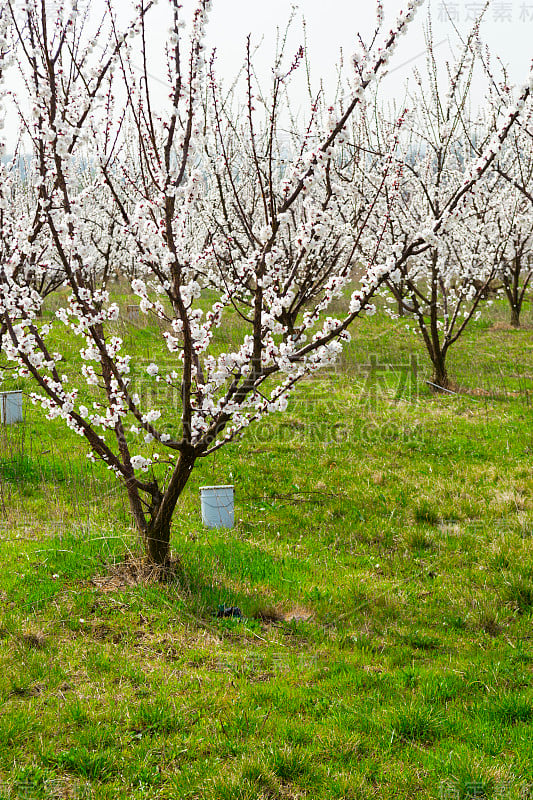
[{"x": 382, "y": 559}]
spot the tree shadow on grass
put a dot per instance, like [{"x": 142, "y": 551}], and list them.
[{"x": 208, "y": 576}]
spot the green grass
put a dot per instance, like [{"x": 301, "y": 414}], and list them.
[{"x": 382, "y": 559}]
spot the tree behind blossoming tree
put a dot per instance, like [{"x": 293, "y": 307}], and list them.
[
  {"x": 422, "y": 158},
  {"x": 515, "y": 216}
]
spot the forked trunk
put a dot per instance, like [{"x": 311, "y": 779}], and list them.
[
  {"x": 440, "y": 379},
  {"x": 156, "y": 532},
  {"x": 515, "y": 316}
]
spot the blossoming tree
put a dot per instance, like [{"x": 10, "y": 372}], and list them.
[
  {"x": 441, "y": 285},
  {"x": 216, "y": 236},
  {"x": 515, "y": 216}
]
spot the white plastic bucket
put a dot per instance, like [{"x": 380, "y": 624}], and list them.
[
  {"x": 10, "y": 407},
  {"x": 217, "y": 506}
]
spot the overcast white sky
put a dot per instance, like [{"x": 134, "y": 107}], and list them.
[{"x": 332, "y": 24}]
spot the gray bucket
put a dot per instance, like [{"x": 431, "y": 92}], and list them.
[
  {"x": 10, "y": 407},
  {"x": 217, "y": 506},
  {"x": 133, "y": 313}
]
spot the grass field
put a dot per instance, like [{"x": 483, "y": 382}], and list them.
[{"x": 382, "y": 560}]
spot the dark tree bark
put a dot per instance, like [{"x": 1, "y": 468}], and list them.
[
  {"x": 440, "y": 375},
  {"x": 155, "y": 525},
  {"x": 515, "y": 316},
  {"x": 157, "y": 533},
  {"x": 514, "y": 290}
]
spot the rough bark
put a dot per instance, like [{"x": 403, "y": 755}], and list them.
[
  {"x": 515, "y": 316},
  {"x": 157, "y": 534},
  {"x": 440, "y": 375},
  {"x": 156, "y": 530}
]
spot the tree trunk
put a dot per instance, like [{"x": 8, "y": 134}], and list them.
[
  {"x": 156, "y": 534},
  {"x": 515, "y": 316},
  {"x": 157, "y": 542},
  {"x": 440, "y": 375},
  {"x": 437, "y": 348}
]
